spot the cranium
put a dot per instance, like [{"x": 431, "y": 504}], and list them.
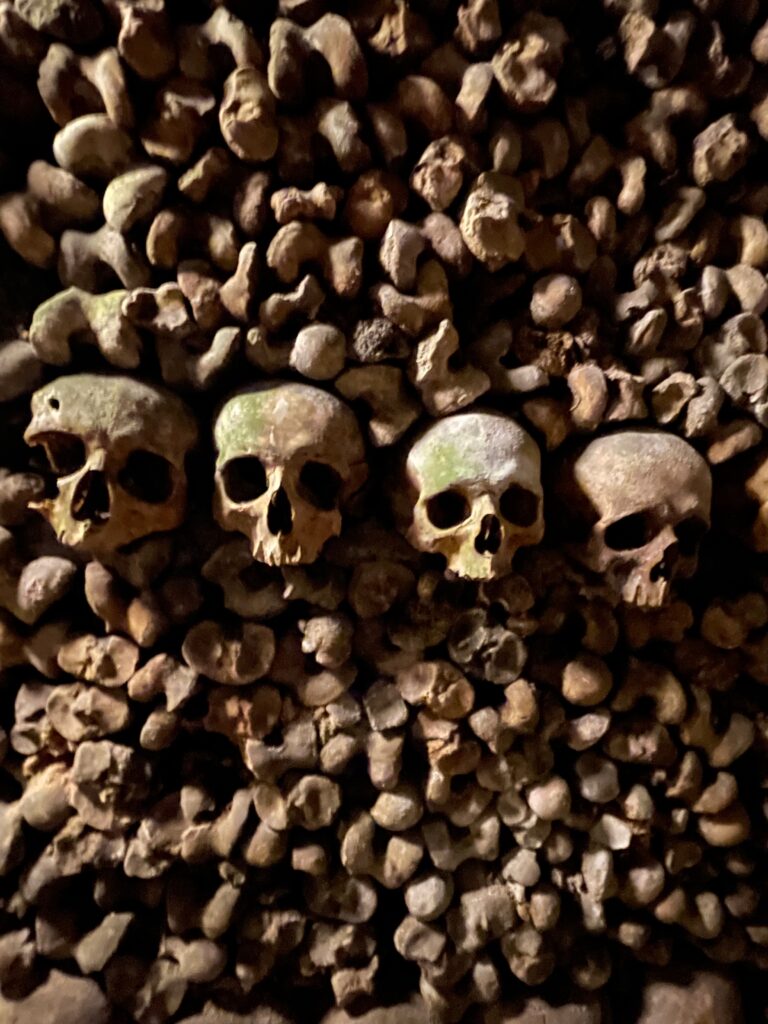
[
  {"x": 474, "y": 481},
  {"x": 118, "y": 448},
  {"x": 642, "y": 500},
  {"x": 289, "y": 457}
]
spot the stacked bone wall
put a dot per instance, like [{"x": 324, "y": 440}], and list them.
[{"x": 383, "y": 594}]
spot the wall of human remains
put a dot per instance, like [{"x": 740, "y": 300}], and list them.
[{"x": 383, "y": 592}]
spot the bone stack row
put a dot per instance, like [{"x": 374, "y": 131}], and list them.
[{"x": 382, "y": 603}]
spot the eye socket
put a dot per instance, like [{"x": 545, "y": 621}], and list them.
[
  {"x": 147, "y": 476},
  {"x": 630, "y": 532},
  {"x": 66, "y": 453},
  {"x": 519, "y": 506},
  {"x": 320, "y": 485},
  {"x": 447, "y": 509},
  {"x": 244, "y": 479},
  {"x": 690, "y": 534}
]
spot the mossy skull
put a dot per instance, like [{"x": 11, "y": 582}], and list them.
[
  {"x": 118, "y": 448},
  {"x": 288, "y": 458},
  {"x": 474, "y": 481}
]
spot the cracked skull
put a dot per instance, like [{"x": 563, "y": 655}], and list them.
[
  {"x": 642, "y": 500},
  {"x": 288, "y": 457},
  {"x": 476, "y": 497},
  {"x": 117, "y": 447}
]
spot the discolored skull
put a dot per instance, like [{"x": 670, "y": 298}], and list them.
[
  {"x": 474, "y": 481},
  {"x": 118, "y": 448},
  {"x": 288, "y": 458},
  {"x": 642, "y": 501}
]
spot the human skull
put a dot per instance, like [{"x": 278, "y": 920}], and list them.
[
  {"x": 579, "y": 1009},
  {"x": 644, "y": 497},
  {"x": 118, "y": 449},
  {"x": 288, "y": 458},
  {"x": 474, "y": 481},
  {"x": 696, "y": 997}
]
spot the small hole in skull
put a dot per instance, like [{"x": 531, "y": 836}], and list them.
[
  {"x": 244, "y": 479},
  {"x": 147, "y": 476},
  {"x": 488, "y": 540},
  {"x": 54, "y": 403},
  {"x": 66, "y": 453},
  {"x": 519, "y": 506},
  {"x": 629, "y": 533},
  {"x": 319, "y": 485},
  {"x": 447, "y": 509},
  {"x": 90, "y": 502},
  {"x": 690, "y": 534}
]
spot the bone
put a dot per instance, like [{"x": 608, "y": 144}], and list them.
[
  {"x": 499, "y": 528},
  {"x": 20, "y": 223},
  {"x": 235, "y": 660},
  {"x": 371, "y": 202},
  {"x": 75, "y": 312},
  {"x": 92, "y": 456},
  {"x": 246, "y": 116},
  {"x": 181, "y": 106},
  {"x": 705, "y": 989},
  {"x": 133, "y": 197},
  {"x": 93, "y": 146},
  {"x": 94, "y": 83},
  {"x": 444, "y": 390},
  {"x": 381, "y": 391},
  {"x": 641, "y": 586},
  {"x": 86, "y": 260},
  {"x": 296, "y": 243},
  {"x": 200, "y": 44},
  {"x": 465, "y": 376},
  {"x": 308, "y": 505}
]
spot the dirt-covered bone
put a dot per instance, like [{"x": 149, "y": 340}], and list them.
[
  {"x": 555, "y": 211},
  {"x": 289, "y": 457},
  {"x": 117, "y": 447},
  {"x": 474, "y": 485},
  {"x": 640, "y": 501}
]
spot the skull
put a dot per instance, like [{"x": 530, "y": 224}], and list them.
[
  {"x": 118, "y": 448},
  {"x": 644, "y": 499},
  {"x": 289, "y": 457},
  {"x": 475, "y": 493}
]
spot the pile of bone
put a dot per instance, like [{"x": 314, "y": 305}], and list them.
[{"x": 383, "y": 509}]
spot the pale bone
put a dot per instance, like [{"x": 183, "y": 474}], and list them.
[
  {"x": 305, "y": 449},
  {"x": 649, "y": 495},
  {"x": 113, "y": 442},
  {"x": 484, "y": 464}
]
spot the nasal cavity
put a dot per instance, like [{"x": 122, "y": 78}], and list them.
[
  {"x": 488, "y": 540},
  {"x": 90, "y": 502},
  {"x": 279, "y": 514}
]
